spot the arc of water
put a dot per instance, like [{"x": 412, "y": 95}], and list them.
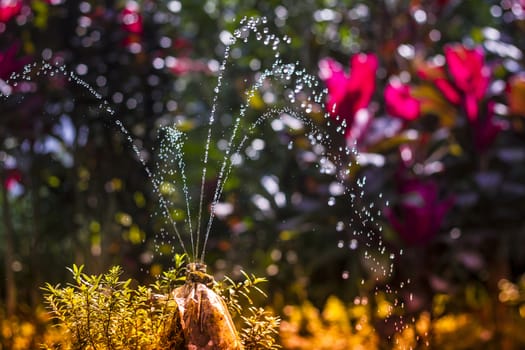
[
  {"x": 223, "y": 174},
  {"x": 226, "y": 171},
  {"x": 208, "y": 141},
  {"x": 221, "y": 179},
  {"x": 247, "y": 25},
  {"x": 278, "y": 69}
]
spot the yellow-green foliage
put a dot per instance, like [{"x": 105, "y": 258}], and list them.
[
  {"x": 260, "y": 331},
  {"x": 337, "y": 327},
  {"x": 104, "y": 312},
  {"x": 487, "y": 323},
  {"x": 24, "y": 330}
]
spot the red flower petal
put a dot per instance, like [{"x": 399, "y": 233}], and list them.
[
  {"x": 468, "y": 69},
  {"x": 420, "y": 212},
  {"x": 349, "y": 93},
  {"x": 437, "y": 75},
  {"x": 131, "y": 18},
  {"x": 9, "y": 9},
  {"x": 14, "y": 176},
  {"x": 400, "y": 103}
]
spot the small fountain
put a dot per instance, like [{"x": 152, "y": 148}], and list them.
[{"x": 298, "y": 107}]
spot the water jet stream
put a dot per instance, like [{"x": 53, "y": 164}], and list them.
[{"x": 301, "y": 98}]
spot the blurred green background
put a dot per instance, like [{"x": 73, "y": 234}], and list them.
[{"x": 432, "y": 93}]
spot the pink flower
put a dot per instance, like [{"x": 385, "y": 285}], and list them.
[
  {"x": 471, "y": 76},
  {"x": 466, "y": 87},
  {"x": 9, "y": 9},
  {"x": 13, "y": 179},
  {"x": 184, "y": 65},
  {"x": 349, "y": 93},
  {"x": 438, "y": 76},
  {"x": 9, "y": 63},
  {"x": 131, "y": 18},
  {"x": 132, "y": 23},
  {"x": 420, "y": 213},
  {"x": 400, "y": 102}
]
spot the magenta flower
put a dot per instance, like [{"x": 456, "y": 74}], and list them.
[
  {"x": 466, "y": 85},
  {"x": 13, "y": 179},
  {"x": 131, "y": 18},
  {"x": 349, "y": 93},
  {"x": 184, "y": 65},
  {"x": 132, "y": 24},
  {"x": 9, "y": 63},
  {"x": 9, "y": 9},
  {"x": 420, "y": 213},
  {"x": 471, "y": 76},
  {"x": 400, "y": 102},
  {"x": 438, "y": 76}
]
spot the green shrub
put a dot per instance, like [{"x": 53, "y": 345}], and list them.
[{"x": 105, "y": 312}]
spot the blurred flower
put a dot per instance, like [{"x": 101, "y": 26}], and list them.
[
  {"x": 419, "y": 215},
  {"x": 516, "y": 95},
  {"x": 471, "y": 75},
  {"x": 13, "y": 177},
  {"x": 132, "y": 23},
  {"x": 182, "y": 63},
  {"x": 185, "y": 65},
  {"x": 183, "y": 46},
  {"x": 13, "y": 182},
  {"x": 131, "y": 18},
  {"x": 437, "y": 75},
  {"x": 465, "y": 85},
  {"x": 349, "y": 93},
  {"x": 9, "y": 63},
  {"x": 9, "y": 9},
  {"x": 486, "y": 129},
  {"x": 400, "y": 102}
]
